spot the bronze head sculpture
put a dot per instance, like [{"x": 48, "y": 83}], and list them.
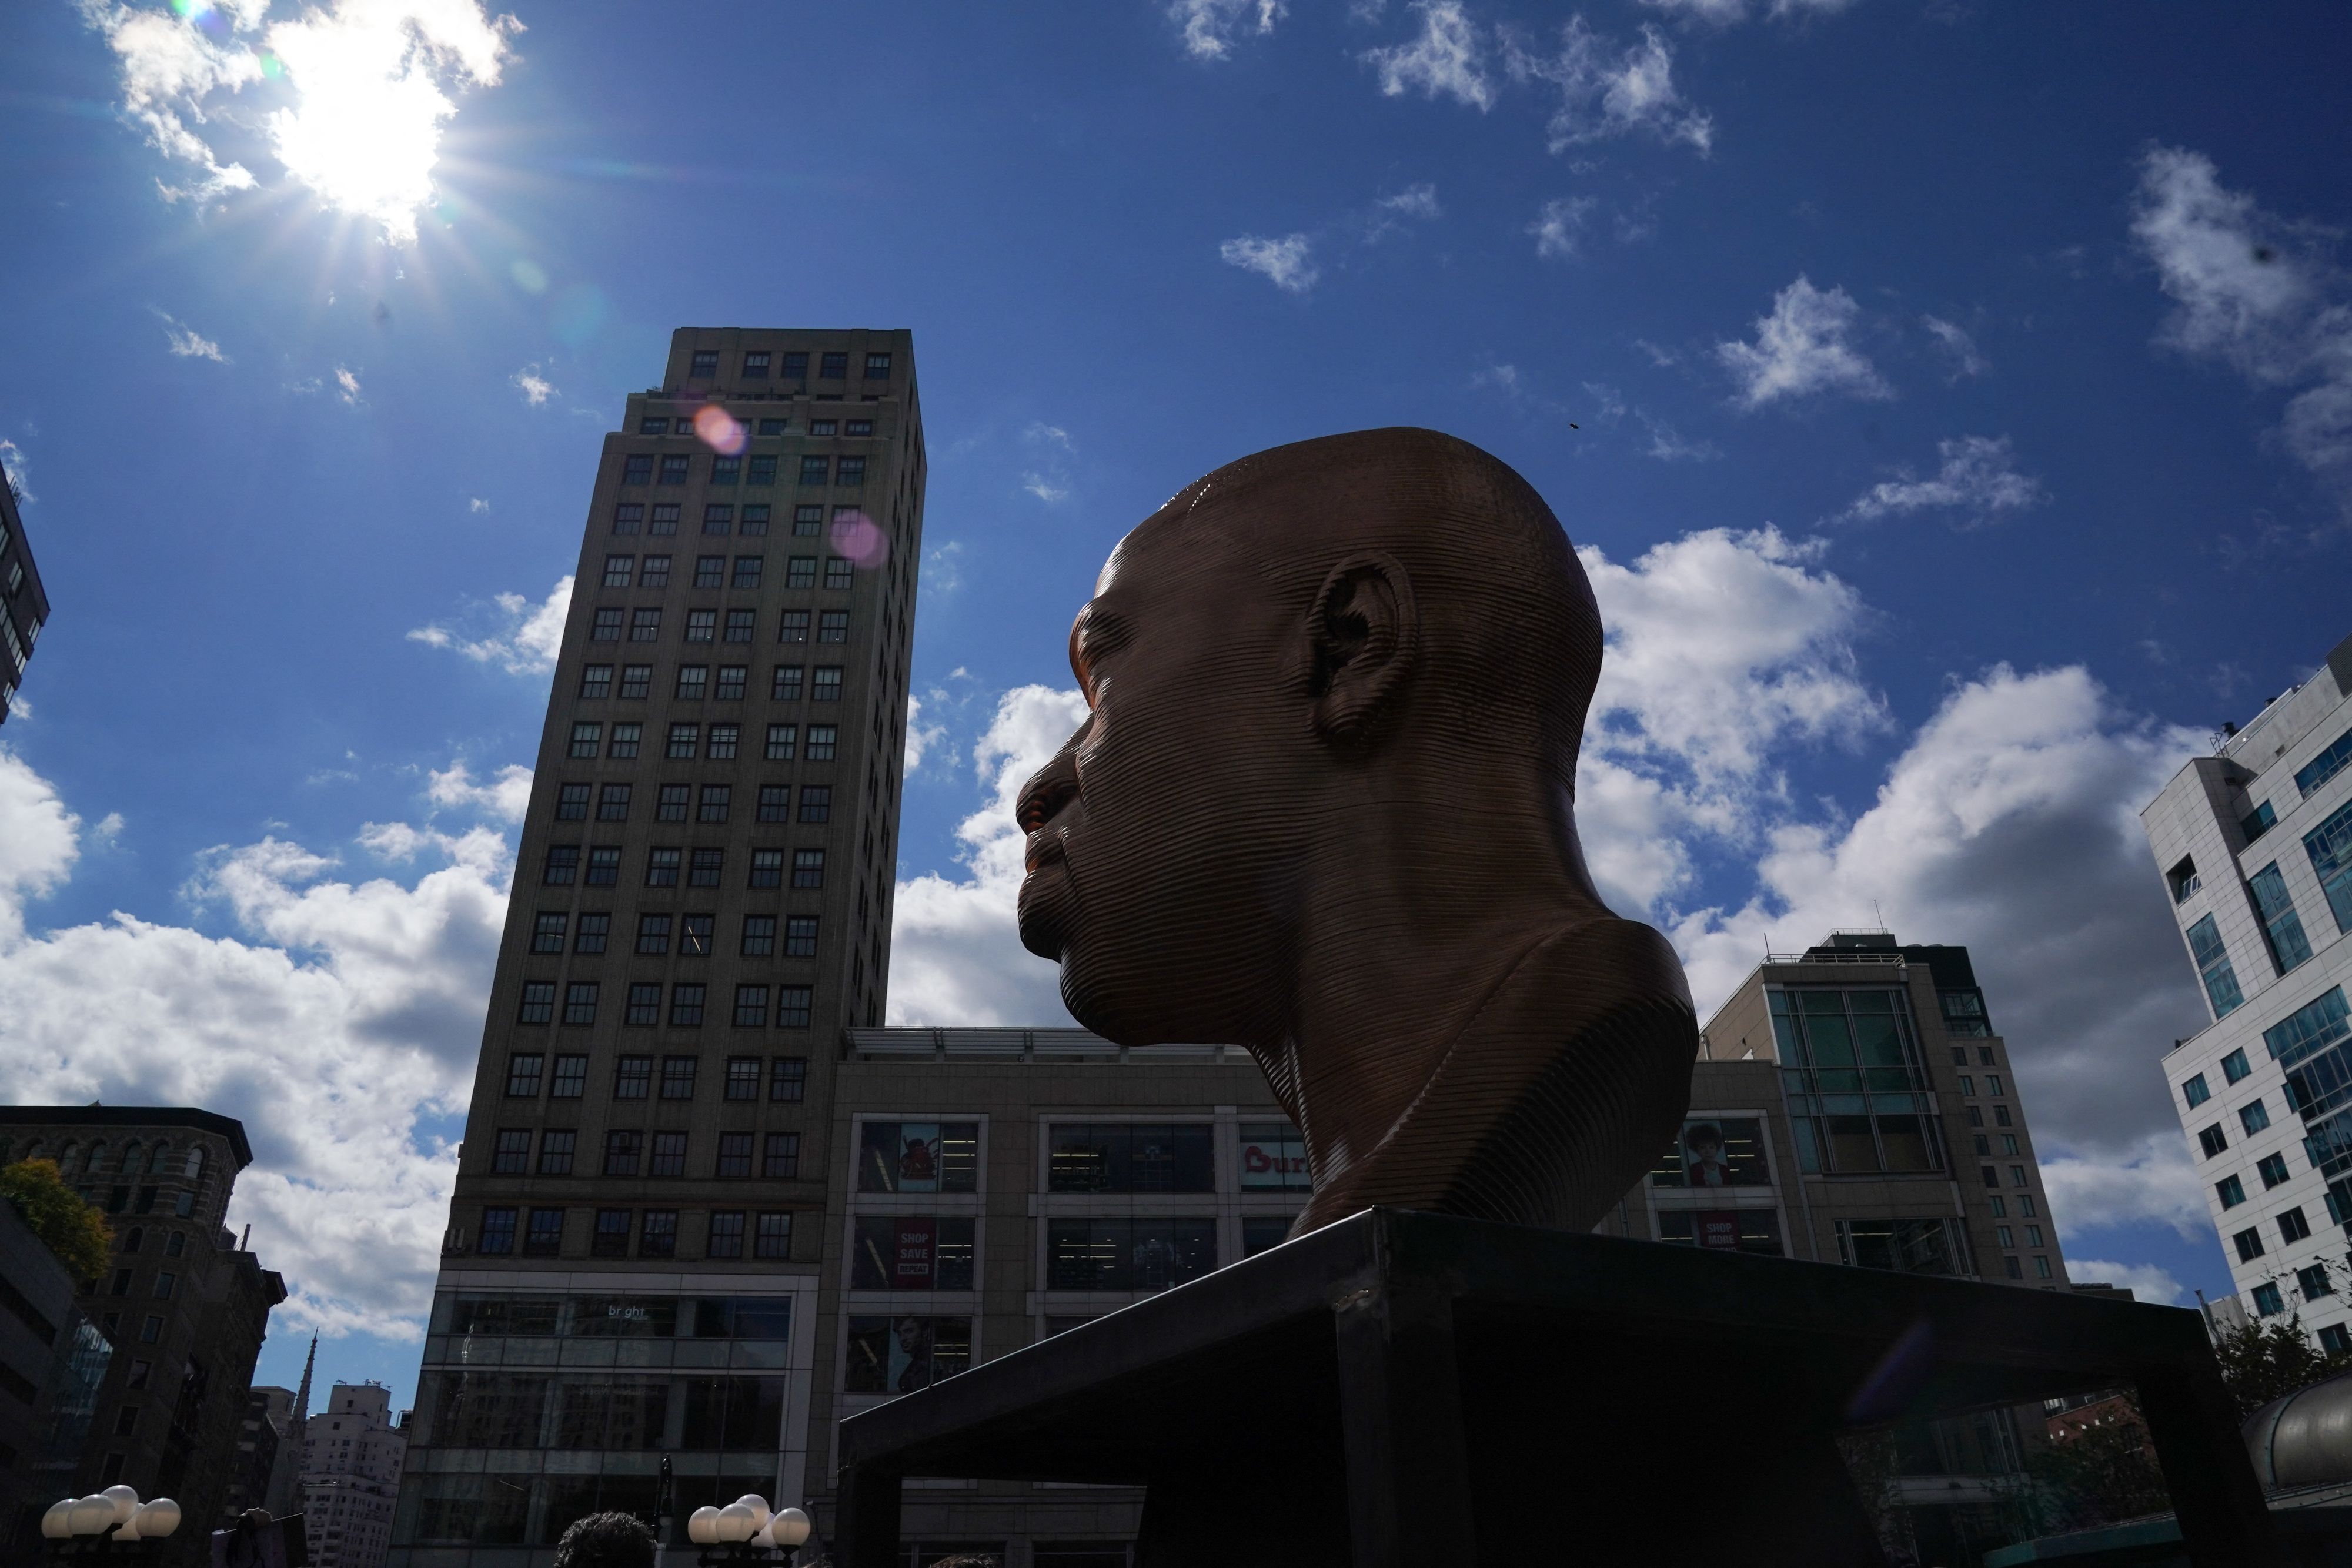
[{"x": 1323, "y": 808}]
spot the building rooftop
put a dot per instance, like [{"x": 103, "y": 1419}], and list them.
[{"x": 96, "y": 1116}]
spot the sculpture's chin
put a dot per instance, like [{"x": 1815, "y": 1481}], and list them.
[{"x": 1046, "y": 916}]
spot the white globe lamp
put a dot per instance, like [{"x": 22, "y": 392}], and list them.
[
  {"x": 736, "y": 1524},
  {"x": 57, "y": 1524},
  {"x": 157, "y": 1518},
  {"x": 93, "y": 1515},
  {"x": 702, "y": 1526},
  {"x": 791, "y": 1528}
]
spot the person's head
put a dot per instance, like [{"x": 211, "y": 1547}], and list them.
[
  {"x": 1703, "y": 1139},
  {"x": 606, "y": 1541},
  {"x": 911, "y": 1335},
  {"x": 1383, "y": 631}
]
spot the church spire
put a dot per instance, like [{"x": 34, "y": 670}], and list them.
[{"x": 302, "y": 1398}]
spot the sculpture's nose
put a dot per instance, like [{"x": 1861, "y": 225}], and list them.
[{"x": 1053, "y": 786}]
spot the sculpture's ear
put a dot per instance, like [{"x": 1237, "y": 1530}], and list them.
[{"x": 1362, "y": 634}]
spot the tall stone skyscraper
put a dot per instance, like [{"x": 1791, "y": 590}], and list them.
[{"x": 702, "y": 907}]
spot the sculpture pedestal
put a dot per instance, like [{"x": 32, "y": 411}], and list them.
[{"x": 1404, "y": 1388}]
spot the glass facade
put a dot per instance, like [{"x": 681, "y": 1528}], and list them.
[
  {"x": 1859, "y": 1099},
  {"x": 2329, "y": 845},
  {"x": 2282, "y": 927},
  {"x": 2214, "y": 967},
  {"x": 1134, "y": 1157}
]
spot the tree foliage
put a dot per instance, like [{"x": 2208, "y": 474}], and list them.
[
  {"x": 2266, "y": 1360},
  {"x": 2101, "y": 1474},
  {"x": 75, "y": 1230},
  {"x": 606, "y": 1541}
]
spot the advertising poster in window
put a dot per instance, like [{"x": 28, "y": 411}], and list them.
[
  {"x": 1717, "y": 1227},
  {"x": 1273, "y": 1156},
  {"x": 1716, "y": 1152},
  {"x": 910, "y": 1355}
]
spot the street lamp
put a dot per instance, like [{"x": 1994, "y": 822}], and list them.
[
  {"x": 744, "y": 1532},
  {"x": 98, "y": 1524}
]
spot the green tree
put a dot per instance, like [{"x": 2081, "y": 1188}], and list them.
[
  {"x": 2102, "y": 1474},
  {"x": 2263, "y": 1361},
  {"x": 75, "y": 1230}
]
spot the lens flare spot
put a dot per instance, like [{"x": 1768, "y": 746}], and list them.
[
  {"x": 530, "y": 277},
  {"x": 855, "y": 536},
  {"x": 718, "y": 430}
]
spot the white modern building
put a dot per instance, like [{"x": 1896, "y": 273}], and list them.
[
  {"x": 2255, "y": 846},
  {"x": 352, "y": 1455}
]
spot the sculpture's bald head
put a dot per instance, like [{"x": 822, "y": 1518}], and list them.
[{"x": 1387, "y": 621}]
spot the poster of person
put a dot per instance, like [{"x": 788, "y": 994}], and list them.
[
  {"x": 1716, "y": 1152},
  {"x": 919, "y": 1156},
  {"x": 910, "y": 1355}
]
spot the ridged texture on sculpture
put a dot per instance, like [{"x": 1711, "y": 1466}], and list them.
[{"x": 1323, "y": 808}]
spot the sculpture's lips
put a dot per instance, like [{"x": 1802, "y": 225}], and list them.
[{"x": 1048, "y": 907}]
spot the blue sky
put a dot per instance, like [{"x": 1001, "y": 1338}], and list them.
[{"x": 1954, "y": 402}]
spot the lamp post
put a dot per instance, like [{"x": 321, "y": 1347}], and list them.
[
  {"x": 744, "y": 1533},
  {"x": 108, "y": 1525}
]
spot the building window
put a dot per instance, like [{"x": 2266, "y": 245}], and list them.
[
  {"x": 808, "y": 522},
  {"x": 792, "y": 1006},
  {"x": 538, "y": 1002},
  {"x": 816, "y": 802},
  {"x": 838, "y": 573},
  {"x": 619, "y": 570},
  {"x": 787, "y": 686},
  {"x": 750, "y": 1012},
  {"x": 827, "y": 685},
  {"x": 562, "y": 865},
  {"x": 794, "y": 628},
  {"x": 606, "y": 627},
  {"x": 775, "y": 1236},
  {"x": 2012, "y": 1267},
  {"x": 632, "y": 1076},
  {"x": 2213, "y": 1140},
  {"x": 734, "y": 1154},
  {"x": 672, "y": 468},
  {"x": 2282, "y": 927},
  {"x": 595, "y": 682},
  {"x": 760, "y": 930},
  {"x": 2313, "y": 1282},
  {"x": 649, "y": 427},
  {"x": 747, "y": 571},
  {"x": 2324, "y": 766},
  {"x": 645, "y": 625},
  {"x": 637, "y": 681},
  {"x": 669, "y": 1157},
  {"x": 2230, "y": 1191},
  {"x": 800, "y": 937},
  {"x": 664, "y": 523},
  {"x": 877, "y": 367},
  {"x": 579, "y": 1002},
  {"x": 571, "y": 802},
  {"x": 742, "y": 1078},
  {"x": 2329, "y": 845},
  {"x": 2272, "y": 1170},
  {"x": 1823, "y": 1035},
  {"x": 800, "y": 572},
  {"x": 498, "y": 1232},
  {"x": 604, "y": 867},
  {"x": 2336, "y": 1339},
  {"x": 788, "y": 1075},
  {"x": 2249, "y": 1244},
  {"x": 658, "y": 1234},
  {"x": 637, "y": 468},
  {"x": 711, "y": 572},
  {"x": 1109, "y": 1253},
  {"x": 705, "y": 867},
  {"x": 724, "y": 740},
  {"x": 586, "y": 738},
  {"x": 2041, "y": 1267},
  {"x": 702, "y": 625},
  {"x": 511, "y": 1156},
  {"x": 762, "y": 472},
  {"x": 571, "y": 1078},
  {"x": 704, "y": 365},
  {"x": 726, "y": 1235},
  {"x": 657, "y": 568},
  {"x": 661, "y": 867},
  {"x": 820, "y": 741},
  {"x": 693, "y": 682},
  {"x": 621, "y": 1152},
  {"x": 671, "y": 802},
  {"x": 815, "y": 470},
  {"x": 1120, "y": 1157},
  {"x": 685, "y": 1012},
  {"x": 2253, "y": 1117},
  {"x": 833, "y": 626},
  {"x": 2195, "y": 1092},
  {"x": 612, "y": 1238},
  {"x": 732, "y": 679},
  {"x": 725, "y": 470},
  {"x": 2017, "y": 1179},
  {"x": 522, "y": 1075},
  {"x": 2235, "y": 1066},
  {"x": 808, "y": 868},
  {"x": 2257, "y": 821},
  {"x": 2267, "y": 1302},
  {"x": 715, "y": 801},
  {"x": 2213, "y": 964},
  {"x": 555, "y": 1150},
  {"x": 2294, "y": 1226},
  {"x": 629, "y": 515},
  {"x": 543, "y": 1238}
]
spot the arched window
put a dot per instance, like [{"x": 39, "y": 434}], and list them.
[
  {"x": 66, "y": 1160},
  {"x": 195, "y": 1162},
  {"x": 160, "y": 1161},
  {"x": 132, "y": 1158},
  {"x": 95, "y": 1160}
]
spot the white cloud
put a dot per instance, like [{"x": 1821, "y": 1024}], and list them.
[
  {"x": 1669, "y": 445},
  {"x": 1601, "y": 98},
  {"x": 1045, "y": 489},
  {"x": 109, "y": 831},
  {"x": 1049, "y": 434},
  {"x": 1801, "y": 349},
  {"x": 536, "y": 388},
  {"x": 2145, "y": 1281},
  {"x": 339, "y": 1014},
  {"x": 924, "y": 739},
  {"x": 1979, "y": 476},
  {"x": 943, "y": 569},
  {"x": 956, "y": 955},
  {"x": 477, "y": 504},
  {"x": 527, "y": 645},
  {"x": 1414, "y": 201},
  {"x": 1210, "y": 25},
  {"x": 2150, "y": 1180},
  {"x": 1722, "y": 13},
  {"x": 14, "y": 468},
  {"x": 2257, "y": 293},
  {"x": 350, "y": 386},
  {"x": 1966, "y": 360},
  {"x": 1559, "y": 225},
  {"x": 1447, "y": 59},
  {"x": 363, "y": 88},
  {"x": 505, "y": 795},
  {"x": 187, "y": 343},
  {"x": 1282, "y": 262}
]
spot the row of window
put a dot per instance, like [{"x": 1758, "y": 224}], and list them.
[
  {"x": 2292, "y": 1226},
  {"x": 2273, "y": 1170},
  {"x": 776, "y": 1154},
  {"x": 1093, "y": 1252},
  {"x": 676, "y": 803},
  {"x": 769, "y": 1235},
  {"x": 694, "y": 933},
  {"x": 2253, "y": 1117},
  {"x": 720, "y": 743},
  {"x": 689, "y": 1000},
  {"x": 2235, "y": 1067},
  {"x": 720, "y": 519},
  {"x": 699, "y": 868},
  {"x": 791, "y": 367},
  {"x": 644, "y": 625},
  {"x": 2336, "y": 1339},
  {"x": 2329, "y": 847},
  {"x": 759, "y": 468},
  {"x": 712, "y": 571},
  {"x": 658, "y": 424},
  {"x": 694, "y": 683},
  {"x": 787, "y": 1077}
]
